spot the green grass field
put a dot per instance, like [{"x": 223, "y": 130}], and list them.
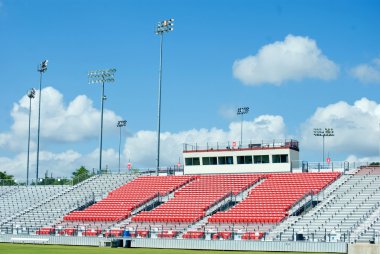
[{"x": 58, "y": 249}]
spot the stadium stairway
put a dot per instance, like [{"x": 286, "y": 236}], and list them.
[
  {"x": 50, "y": 210},
  {"x": 345, "y": 210}
]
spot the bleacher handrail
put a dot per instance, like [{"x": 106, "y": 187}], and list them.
[{"x": 333, "y": 166}]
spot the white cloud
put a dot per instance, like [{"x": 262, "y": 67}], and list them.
[
  {"x": 365, "y": 160},
  {"x": 59, "y": 123},
  {"x": 141, "y": 148},
  {"x": 367, "y": 73},
  {"x": 356, "y": 128},
  {"x": 295, "y": 58},
  {"x": 59, "y": 164},
  {"x": 75, "y": 122},
  {"x": 356, "y": 134}
]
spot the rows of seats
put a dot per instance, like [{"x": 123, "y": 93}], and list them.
[
  {"x": 120, "y": 202},
  {"x": 67, "y": 231},
  {"x": 225, "y": 235},
  {"x": 369, "y": 170},
  {"x": 167, "y": 234},
  {"x": 192, "y": 198},
  {"x": 191, "y": 202},
  {"x": 114, "y": 233},
  {"x": 193, "y": 235},
  {"x": 29, "y": 213},
  {"x": 92, "y": 232},
  {"x": 270, "y": 201},
  {"x": 237, "y": 227},
  {"x": 349, "y": 210},
  {"x": 45, "y": 231},
  {"x": 140, "y": 233},
  {"x": 20, "y": 199},
  {"x": 252, "y": 235}
]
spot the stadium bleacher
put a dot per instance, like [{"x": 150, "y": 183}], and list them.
[
  {"x": 220, "y": 206},
  {"x": 196, "y": 200},
  {"x": 34, "y": 207},
  {"x": 16, "y": 200},
  {"x": 119, "y": 203},
  {"x": 191, "y": 203},
  {"x": 270, "y": 201},
  {"x": 343, "y": 213}
]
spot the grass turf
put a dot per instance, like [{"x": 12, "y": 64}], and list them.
[{"x": 58, "y": 249}]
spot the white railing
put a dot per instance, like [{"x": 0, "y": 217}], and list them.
[
  {"x": 252, "y": 144},
  {"x": 333, "y": 166}
]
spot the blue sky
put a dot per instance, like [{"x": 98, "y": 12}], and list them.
[{"x": 302, "y": 65}]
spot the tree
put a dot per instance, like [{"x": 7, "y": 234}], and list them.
[
  {"x": 80, "y": 175},
  {"x": 6, "y": 179}
]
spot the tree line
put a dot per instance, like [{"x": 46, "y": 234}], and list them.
[{"x": 79, "y": 175}]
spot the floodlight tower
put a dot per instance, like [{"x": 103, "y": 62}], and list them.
[
  {"x": 242, "y": 111},
  {"x": 102, "y": 77},
  {"x": 31, "y": 94},
  {"x": 41, "y": 69},
  {"x": 119, "y": 125},
  {"x": 327, "y": 132},
  {"x": 162, "y": 27}
]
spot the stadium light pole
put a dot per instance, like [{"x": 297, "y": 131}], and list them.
[
  {"x": 327, "y": 132},
  {"x": 101, "y": 77},
  {"x": 242, "y": 111},
  {"x": 162, "y": 27},
  {"x": 41, "y": 69},
  {"x": 120, "y": 124},
  {"x": 31, "y": 94}
]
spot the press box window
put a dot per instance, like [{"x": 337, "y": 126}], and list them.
[
  {"x": 225, "y": 160},
  {"x": 209, "y": 161},
  {"x": 280, "y": 158},
  {"x": 261, "y": 159},
  {"x": 192, "y": 161},
  {"x": 244, "y": 160}
]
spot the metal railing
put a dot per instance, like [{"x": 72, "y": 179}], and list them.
[
  {"x": 155, "y": 232},
  {"x": 252, "y": 144},
  {"x": 333, "y": 166}
]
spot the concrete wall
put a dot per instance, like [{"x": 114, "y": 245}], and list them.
[
  {"x": 60, "y": 240},
  {"x": 240, "y": 245},
  {"x": 203, "y": 244},
  {"x": 364, "y": 248}
]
